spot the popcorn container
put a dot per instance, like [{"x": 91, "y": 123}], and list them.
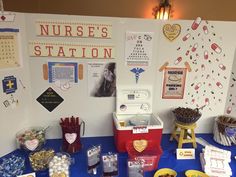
[
  {"x": 31, "y": 139},
  {"x": 71, "y": 134},
  {"x": 60, "y": 165}
]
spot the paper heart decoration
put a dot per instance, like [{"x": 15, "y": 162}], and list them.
[
  {"x": 70, "y": 137},
  {"x": 62, "y": 174},
  {"x": 140, "y": 145},
  {"x": 32, "y": 144},
  {"x": 171, "y": 32}
]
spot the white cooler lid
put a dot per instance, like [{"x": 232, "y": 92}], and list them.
[{"x": 132, "y": 99}]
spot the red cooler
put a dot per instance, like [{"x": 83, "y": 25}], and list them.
[{"x": 134, "y": 119}]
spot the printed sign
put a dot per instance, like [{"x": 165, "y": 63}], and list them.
[
  {"x": 52, "y": 28},
  {"x": 102, "y": 79},
  {"x": 69, "y": 50},
  {"x": 50, "y": 99},
  {"x": 9, "y": 84},
  {"x": 174, "y": 83},
  {"x": 185, "y": 153},
  {"x": 9, "y": 54},
  {"x": 28, "y": 175},
  {"x": 138, "y": 48},
  {"x": 65, "y": 71}
]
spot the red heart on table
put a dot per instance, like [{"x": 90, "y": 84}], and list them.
[
  {"x": 32, "y": 144},
  {"x": 70, "y": 137}
]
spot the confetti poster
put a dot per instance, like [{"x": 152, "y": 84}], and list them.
[
  {"x": 138, "y": 48},
  {"x": 174, "y": 83},
  {"x": 102, "y": 79},
  {"x": 9, "y": 50},
  {"x": 202, "y": 47}
]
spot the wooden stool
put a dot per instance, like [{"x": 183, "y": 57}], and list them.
[{"x": 184, "y": 135}]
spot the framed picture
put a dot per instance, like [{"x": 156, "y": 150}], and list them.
[{"x": 174, "y": 83}]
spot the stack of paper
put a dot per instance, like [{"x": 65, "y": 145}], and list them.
[{"x": 215, "y": 162}]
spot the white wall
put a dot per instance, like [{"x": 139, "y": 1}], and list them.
[
  {"x": 97, "y": 112},
  {"x": 15, "y": 119}
]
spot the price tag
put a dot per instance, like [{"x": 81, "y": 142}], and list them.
[
  {"x": 185, "y": 153},
  {"x": 28, "y": 175},
  {"x": 140, "y": 129}
]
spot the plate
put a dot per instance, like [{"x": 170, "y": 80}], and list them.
[{"x": 193, "y": 173}]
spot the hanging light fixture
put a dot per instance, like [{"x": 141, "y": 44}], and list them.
[{"x": 163, "y": 11}]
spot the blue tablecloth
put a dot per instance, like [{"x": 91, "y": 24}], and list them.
[{"x": 167, "y": 160}]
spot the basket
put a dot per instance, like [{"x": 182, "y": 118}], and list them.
[
  {"x": 150, "y": 155},
  {"x": 165, "y": 171},
  {"x": 225, "y": 130},
  {"x": 186, "y": 115}
]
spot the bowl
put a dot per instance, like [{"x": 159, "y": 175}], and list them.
[
  {"x": 39, "y": 160},
  {"x": 31, "y": 139},
  {"x": 186, "y": 115},
  {"x": 194, "y": 173},
  {"x": 165, "y": 171}
]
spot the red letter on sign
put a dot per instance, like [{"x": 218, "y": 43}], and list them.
[
  {"x": 104, "y": 32},
  {"x": 91, "y": 30},
  {"x": 61, "y": 51},
  {"x": 68, "y": 30},
  {"x": 54, "y": 30},
  {"x": 80, "y": 31},
  {"x": 44, "y": 30},
  {"x": 49, "y": 50},
  {"x": 37, "y": 50},
  {"x": 94, "y": 52},
  {"x": 107, "y": 53}
]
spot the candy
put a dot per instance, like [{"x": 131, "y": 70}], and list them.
[
  {"x": 196, "y": 23},
  {"x": 216, "y": 48},
  {"x": 59, "y": 165},
  {"x": 39, "y": 160},
  {"x": 12, "y": 166}
]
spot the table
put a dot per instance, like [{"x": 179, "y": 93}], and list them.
[{"x": 167, "y": 160}]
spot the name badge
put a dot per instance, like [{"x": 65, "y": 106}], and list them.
[{"x": 185, "y": 153}]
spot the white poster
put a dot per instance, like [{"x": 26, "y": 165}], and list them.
[
  {"x": 101, "y": 79},
  {"x": 138, "y": 48}
]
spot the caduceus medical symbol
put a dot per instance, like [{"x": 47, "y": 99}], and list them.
[{"x": 137, "y": 72}]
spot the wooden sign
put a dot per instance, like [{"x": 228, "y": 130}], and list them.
[
  {"x": 69, "y": 50},
  {"x": 52, "y": 28},
  {"x": 171, "y": 32}
]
